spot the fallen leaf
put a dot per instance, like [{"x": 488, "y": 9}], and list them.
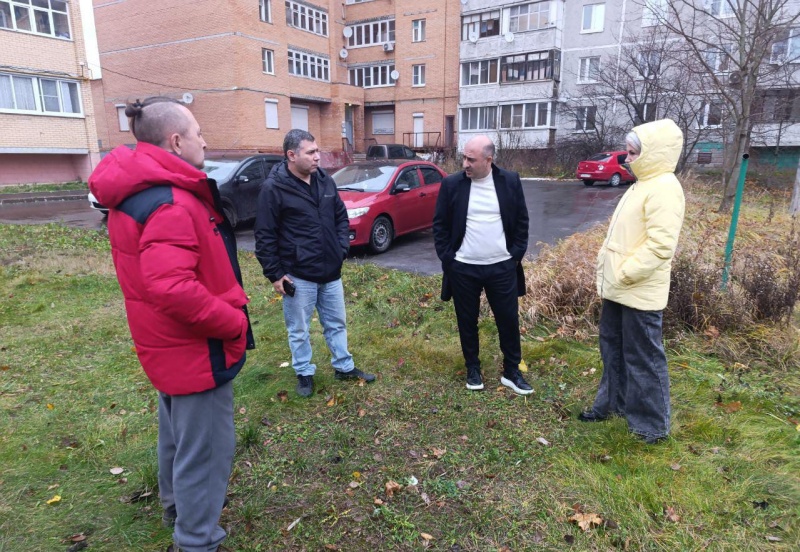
[
  {"x": 586, "y": 521},
  {"x": 771, "y": 538},
  {"x": 378, "y": 502},
  {"x": 295, "y": 522},
  {"x": 425, "y": 498},
  {"x": 711, "y": 332},
  {"x": 78, "y": 537},
  {"x": 116, "y": 471},
  {"x": 361, "y": 412},
  {"x": 400, "y": 362},
  {"x": 669, "y": 512},
  {"x": 54, "y": 486},
  {"x": 55, "y": 499},
  {"x": 354, "y": 484},
  {"x": 523, "y": 367},
  {"x": 569, "y": 539},
  {"x": 675, "y": 467},
  {"x": 242, "y": 410},
  {"x": 283, "y": 395},
  {"x": 4, "y": 368},
  {"x": 50, "y": 406},
  {"x": 438, "y": 453},
  {"x": 265, "y": 421},
  {"x": 730, "y": 407},
  {"x": 392, "y": 487},
  {"x": 284, "y": 365},
  {"x": 426, "y": 536},
  {"x": 543, "y": 441},
  {"x": 331, "y": 547}
]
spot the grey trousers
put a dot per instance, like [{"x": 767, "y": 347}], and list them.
[
  {"x": 635, "y": 381},
  {"x": 196, "y": 444}
]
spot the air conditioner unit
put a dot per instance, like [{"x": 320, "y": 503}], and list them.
[
  {"x": 735, "y": 79},
  {"x": 388, "y": 46}
]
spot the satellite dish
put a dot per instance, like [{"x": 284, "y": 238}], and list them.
[
  {"x": 509, "y": 37},
  {"x": 347, "y": 32},
  {"x": 395, "y": 74},
  {"x": 343, "y": 53},
  {"x": 473, "y": 36},
  {"x": 187, "y": 98}
]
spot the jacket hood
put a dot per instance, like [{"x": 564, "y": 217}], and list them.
[
  {"x": 124, "y": 172},
  {"x": 662, "y": 142}
]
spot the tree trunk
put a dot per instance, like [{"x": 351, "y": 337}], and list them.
[{"x": 794, "y": 208}]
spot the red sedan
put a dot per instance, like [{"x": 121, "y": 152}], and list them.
[
  {"x": 607, "y": 166},
  {"x": 388, "y": 198}
]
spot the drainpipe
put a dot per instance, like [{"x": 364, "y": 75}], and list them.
[{"x": 734, "y": 221}]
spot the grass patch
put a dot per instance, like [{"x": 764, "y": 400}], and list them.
[
  {"x": 74, "y": 403},
  {"x": 48, "y": 187}
]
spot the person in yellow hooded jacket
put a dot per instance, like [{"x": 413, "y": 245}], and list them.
[{"x": 633, "y": 276}]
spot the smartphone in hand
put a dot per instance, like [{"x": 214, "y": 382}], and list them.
[{"x": 288, "y": 288}]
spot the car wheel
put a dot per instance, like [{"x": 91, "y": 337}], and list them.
[
  {"x": 230, "y": 215},
  {"x": 588, "y": 182},
  {"x": 615, "y": 179},
  {"x": 381, "y": 236}
]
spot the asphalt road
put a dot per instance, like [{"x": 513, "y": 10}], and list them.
[{"x": 557, "y": 209}]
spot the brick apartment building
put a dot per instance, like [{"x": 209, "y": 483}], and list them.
[
  {"x": 48, "y": 57},
  {"x": 350, "y": 72}
]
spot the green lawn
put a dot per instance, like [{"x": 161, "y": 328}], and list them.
[{"x": 312, "y": 474}]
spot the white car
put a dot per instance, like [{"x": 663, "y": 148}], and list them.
[{"x": 93, "y": 203}]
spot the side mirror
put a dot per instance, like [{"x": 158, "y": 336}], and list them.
[
  {"x": 242, "y": 179},
  {"x": 401, "y": 188}
]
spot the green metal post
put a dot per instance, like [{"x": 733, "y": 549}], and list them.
[{"x": 734, "y": 221}]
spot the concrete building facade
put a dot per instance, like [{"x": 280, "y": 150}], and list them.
[
  {"x": 48, "y": 59},
  {"x": 351, "y": 73}
]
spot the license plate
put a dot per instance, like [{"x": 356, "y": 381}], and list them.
[{"x": 586, "y": 176}]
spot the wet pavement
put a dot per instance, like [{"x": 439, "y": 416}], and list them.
[{"x": 557, "y": 209}]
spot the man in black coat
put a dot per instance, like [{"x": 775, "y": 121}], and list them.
[
  {"x": 480, "y": 230},
  {"x": 302, "y": 240}
]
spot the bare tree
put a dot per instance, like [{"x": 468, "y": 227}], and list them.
[{"x": 596, "y": 126}]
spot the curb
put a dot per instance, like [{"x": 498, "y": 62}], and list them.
[{"x": 34, "y": 197}]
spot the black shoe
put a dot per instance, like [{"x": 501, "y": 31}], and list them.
[
  {"x": 516, "y": 383},
  {"x": 591, "y": 416},
  {"x": 305, "y": 386},
  {"x": 168, "y": 518},
  {"x": 474, "y": 380},
  {"x": 353, "y": 374},
  {"x": 649, "y": 440}
]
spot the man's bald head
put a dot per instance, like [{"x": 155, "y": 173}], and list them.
[
  {"x": 478, "y": 157},
  {"x": 155, "y": 119},
  {"x": 482, "y": 143}
]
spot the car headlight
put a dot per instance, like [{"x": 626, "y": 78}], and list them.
[{"x": 355, "y": 213}]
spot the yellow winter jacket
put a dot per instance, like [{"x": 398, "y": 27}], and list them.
[{"x": 634, "y": 263}]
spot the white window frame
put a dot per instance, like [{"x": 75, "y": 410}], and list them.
[
  {"x": 479, "y": 23},
  {"x": 265, "y": 10},
  {"x": 122, "y": 119},
  {"x": 521, "y": 112},
  {"x": 589, "y": 69},
  {"x": 597, "y": 15},
  {"x": 649, "y": 64},
  {"x": 309, "y": 66},
  {"x": 531, "y": 17},
  {"x": 787, "y": 50},
  {"x": 56, "y": 9},
  {"x": 582, "y": 118},
  {"x": 372, "y": 76},
  {"x": 485, "y": 117},
  {"x": 372, "y": 33},
  {"x": 267, "y": 61},
  {"x": 418, "y": 75},
  {"x": 418, "y": 30},
  {"x": 705, "y": 111},
  {"x": 476, "y": 68},
  {"x": 720, "y": 8},
  {"x": 271, "y": 113},
  {"x": 529, "y": 67},
  {"x": 306, "y": 18},
  {"x": 382, "y": 116},
  {"x": 38, "y": 92},
  {"x": 653, "y": 12},
  {"x": 718, "y": 58}
]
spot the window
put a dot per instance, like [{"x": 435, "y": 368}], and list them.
[
  {"x": 589, "y": 69},
  {"x": 430, "y": 175},
  {"x": 265, "y": 10},
  {"x": 383, "y": 122},
  {"x": 36, "y": 94},
  {"x": 418, "y": 30},
  {"x": 271, "y": 113},
  {"x": 528, "y": 115},
  {"x": 268, "y": 61},
  {"x": 480, "y": 25},
  {"x": 254, "y": 171},
  {"x": 787, "y": 48},
  {"x": 529, "y": 17},
  {"x": 418, "y": 75},
  {"x": 479, "y": 118},
  {"x": 124, "y": 125},
  {"x": 479, "y": 72},
  {"x": 653, "y": 11},
  {"x": 530, "y": 67},
  {"x": 710, "y": 114},
  {"x": 372, "y": 76},
  {"x": 306, "y": 18},
  {"x": 718, "y": 59},
  {"x": 593, "y": 16},
  {"x": 409, "y": 177},
  {"x": 645, "y": 112},
  {"x": 719, "y": 8},
  {"x": 307, "y": 65},
  {"x": 777, "y": 106},
  {"x": 369, "y": 34},
  {"x": 44, "y": 17},
  {"x": 649, "y": 64},
  {"x": 703, "y": 157},
  {"x": 299, "y": 117},
  {"x": 585, "y": 118}
]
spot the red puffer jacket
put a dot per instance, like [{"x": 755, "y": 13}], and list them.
[{"x": 184, "y": 303}]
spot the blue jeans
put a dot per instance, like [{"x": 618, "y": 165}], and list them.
[
  {"x": 328, "y": 300},
  {"x": 635, "y": 381}
]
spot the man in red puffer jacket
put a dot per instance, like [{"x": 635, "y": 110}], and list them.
[{"x": 175, "y": 257}]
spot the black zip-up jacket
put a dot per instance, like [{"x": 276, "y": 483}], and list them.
[{"x": 298, "y": 234}]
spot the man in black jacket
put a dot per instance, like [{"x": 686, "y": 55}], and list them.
[
  {"x": 302, "y": 240},
  {"x": 480, "y": 230}
]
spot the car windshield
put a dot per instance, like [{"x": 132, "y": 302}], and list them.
[
  {"x": 219, "y": 170},
  {"x": 364, "y": 178},
  {"x": 600, "y": 157}
]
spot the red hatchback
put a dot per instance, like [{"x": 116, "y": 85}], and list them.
[
  {"x": 607, "y": 166},
  {"x": 388, "y": 198}
]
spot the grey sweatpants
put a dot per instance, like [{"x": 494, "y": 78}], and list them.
[{"x": 196, "y": 444}]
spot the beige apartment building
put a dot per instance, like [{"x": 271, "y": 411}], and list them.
[
  {"x": 48, "y": 58},
  {"x": 350, "y": 72}
]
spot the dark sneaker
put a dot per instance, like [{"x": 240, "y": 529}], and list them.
[
  {"x": 516, "y": 383},
  {"x": 353, "y": 374},
  {"x": 305, "y": 386},
  {"x": 591, "y": 416},
  {"x": 474, "y": 379},
  {"x": 168, "y": 518},
  {"x": 651, "y": 440}
]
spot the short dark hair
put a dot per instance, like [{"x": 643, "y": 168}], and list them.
[
  {"x": 293, "y": 138},
  {"x": 154, "y": 119}
]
